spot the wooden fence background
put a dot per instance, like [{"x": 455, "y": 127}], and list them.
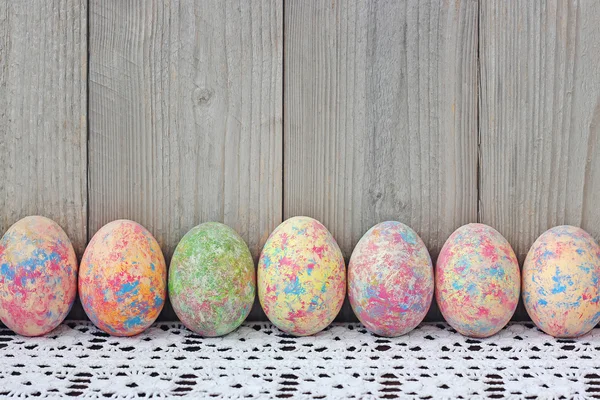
[{"x": 175, "y": 112}]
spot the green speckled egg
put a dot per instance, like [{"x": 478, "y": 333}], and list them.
[{"x": 212, "y": 279}]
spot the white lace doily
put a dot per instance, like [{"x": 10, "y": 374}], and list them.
[{"x": 259, "y": 361}]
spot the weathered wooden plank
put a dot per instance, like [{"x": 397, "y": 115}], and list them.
[
  {"x": 380, "y": 118},
  {"x": 540, "y": 117},
  {"x": 185, "y": 116},
  {"x": 43, "y": 146}
]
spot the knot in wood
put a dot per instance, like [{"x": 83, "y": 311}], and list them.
[{"x": 202, "y": 96}]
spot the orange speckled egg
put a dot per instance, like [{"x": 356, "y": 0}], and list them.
[
  {"x": 122, "y": 278},
  {"x": 560, "y": 282}
]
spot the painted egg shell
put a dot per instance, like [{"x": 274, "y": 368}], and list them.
[
  {"x": 390, "y": 279},
  {"x": 38, "y": 276},
  {"x": 212, "y": 280},
  {"x": 477, "y": 281},
  {"x": 122, "y": 278},
  {"x": 561, "y": 278},
  {"x": 301, "y": 277}
]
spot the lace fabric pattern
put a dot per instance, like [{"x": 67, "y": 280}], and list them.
[{"x": 259, "y": 361}]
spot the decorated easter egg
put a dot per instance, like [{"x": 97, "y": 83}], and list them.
[
  {"x": 123, "y": 278},
  {"x": 561, "y": 282},
  {"x": 301, "y": 277},
  {"x": 477, "y": 281},
  {"x": 212, "y": 279},
  {"x": 390, "y": 279},
  {"x": 38, "y": 276}
]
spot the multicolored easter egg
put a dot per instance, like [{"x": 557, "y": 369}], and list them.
[
  {"x": 301, "y": 277},
  {"x": 561, "y": 276},
  {"x": 123, "y": 278},
  {"x": 212, "y": 280},
  {"x": 477, "y": 281},
  {"x": 390, "y": 279},
  {"x": 38, "y": 276}
]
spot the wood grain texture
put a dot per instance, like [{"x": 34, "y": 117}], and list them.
[
  {"x": 43, "y": 149},
  {"x": 186, "y": 117},
  {"x": 380, "y": 119},
  {"x": 540, "y": 118}
]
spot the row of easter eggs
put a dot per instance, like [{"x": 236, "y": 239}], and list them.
[{"x": 301, "y": 279}]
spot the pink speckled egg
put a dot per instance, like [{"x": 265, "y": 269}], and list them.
[
  {"x": 38, "y": 276},
  {"x": 390, "y": 279},
  {"x": 477, "y": 281},
  {"x": 561, "y": 276},
  {"x": 123, "y": 278}
]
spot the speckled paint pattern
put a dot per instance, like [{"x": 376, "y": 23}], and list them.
[
  {"x": 477, "y": 281},
  {"x": 212, "y": 282},
  {"x": 561, "y": 276},
  {"x": 301, "y": 277},
  {"x": 38, "y": 276},
  {"x": 390, "y": 279},
  {"x": 123, "y": 278}
]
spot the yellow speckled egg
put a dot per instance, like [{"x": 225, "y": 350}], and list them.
[
  {"x": 38, "y": 276},
  {"x": 561, "y": 276},
  {"x": 477, "y": 281},
  {"x": 123, "y": 278},
  {"x": 301, "y": 277}
]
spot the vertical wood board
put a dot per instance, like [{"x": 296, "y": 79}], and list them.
[
  {"x": 540, "y": 118},
  {"x": 380, "y": 117},
  {"x": 185, "y": 117},
  {"x": 43, "y": 115}
]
